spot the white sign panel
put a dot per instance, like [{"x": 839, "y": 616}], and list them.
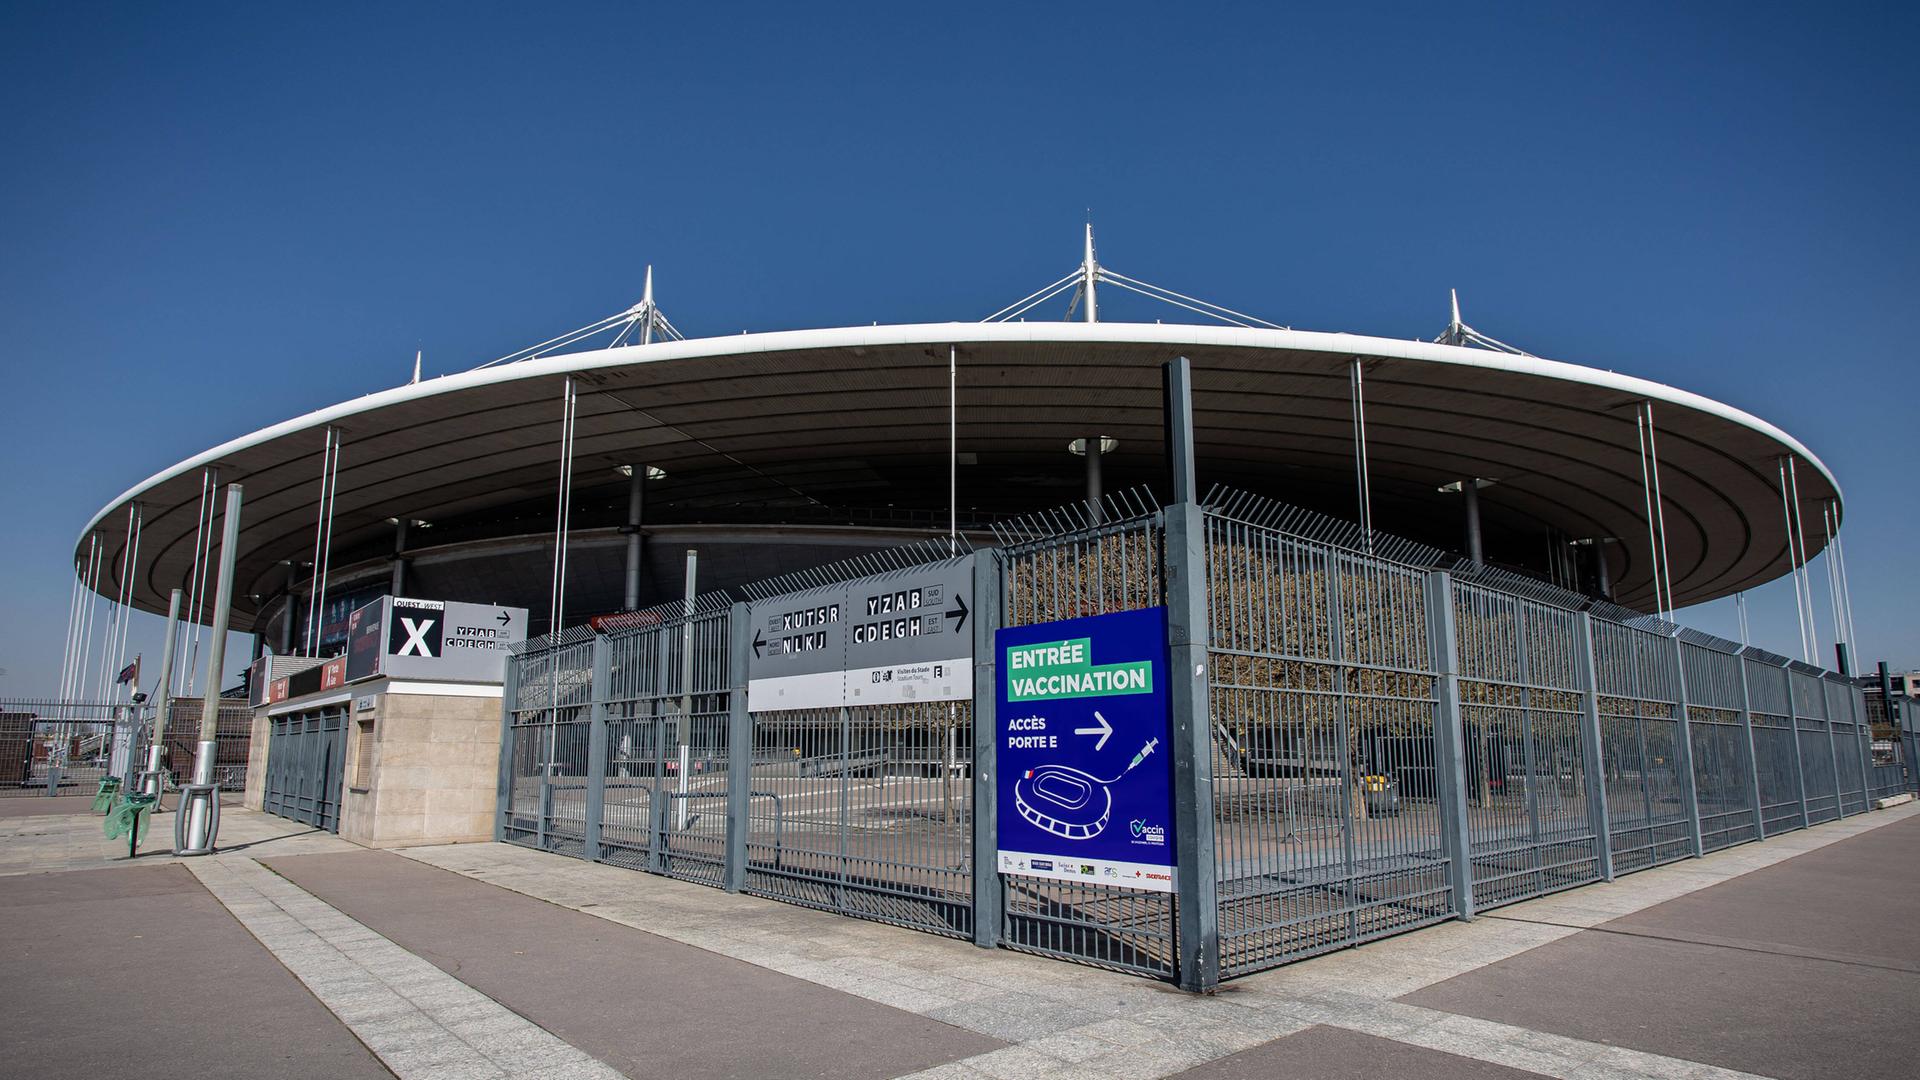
[{"x": 882, "y": 640}]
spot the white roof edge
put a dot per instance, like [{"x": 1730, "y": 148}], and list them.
[{"x": 1172, "y": 334}]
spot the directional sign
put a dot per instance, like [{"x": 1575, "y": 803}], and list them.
[
  {"x": 1085, "y": 777},
  {"x": 432, "y": 639},
  {"x": 891, "y": 638}
]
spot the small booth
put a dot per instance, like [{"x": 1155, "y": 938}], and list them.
[{"x": 396, "y": 742}]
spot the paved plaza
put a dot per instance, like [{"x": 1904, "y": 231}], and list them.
[{"x": 295, "y": 954}]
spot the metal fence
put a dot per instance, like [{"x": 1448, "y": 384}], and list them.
[
  {"x": 1065, "y": 565},
  {"x": 68, "y": 747},
  {"x": 60, "y": 747},
  {"x": 1389, "y": 738}
]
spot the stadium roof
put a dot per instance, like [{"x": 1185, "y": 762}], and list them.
[{"x": 837, "y": 416}]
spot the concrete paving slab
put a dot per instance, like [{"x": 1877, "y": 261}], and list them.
[
  {"x": 137, "y": 971},
  {"x": 1795, "y": 970},
  {"x": 1331, "y": 1053},
  {"x": 644, "y": 1004}
]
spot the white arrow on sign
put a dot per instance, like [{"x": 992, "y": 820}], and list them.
[{"x": 1104, "y": 731}]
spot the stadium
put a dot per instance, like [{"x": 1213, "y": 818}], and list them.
[
  {"x": 1412, "y": 581},
  {"x": 770, "y": 452}
]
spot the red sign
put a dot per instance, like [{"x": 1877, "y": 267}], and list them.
[
  {"x": 333, "y": 673},
  {"x": 279, "y": 691}
]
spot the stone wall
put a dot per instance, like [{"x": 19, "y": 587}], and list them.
[
  {"x": 255, "y": 796},
  {"x": 436, "y": 763}
]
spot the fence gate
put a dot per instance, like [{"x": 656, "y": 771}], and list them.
[
  {"x": 1050, "y": 573},
  {"x": 663, "y": 805},
  {"x": 1326, "y": 831},
  {"x": 545, "y": 761},
  {"x": 306, "y": 766},
  {"x": 1521, "y": 700}
]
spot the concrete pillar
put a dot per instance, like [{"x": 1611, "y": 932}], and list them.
[
  {"x": 635, "y": 485},
  {"x": 397, "y": 585},
  {"x": 1470, "y": 499},
  {"x": 1093, "y": 477}
]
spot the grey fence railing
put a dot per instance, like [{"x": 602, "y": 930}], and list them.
[
  {"x": 1391, "y": 738},
  {"x": 56, "y": 747}
]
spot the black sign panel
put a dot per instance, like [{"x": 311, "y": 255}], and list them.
[
  {"x": 365, "y": 640},
  {"x": 418, "y": 628}
]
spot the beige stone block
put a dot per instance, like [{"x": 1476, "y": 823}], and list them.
[{"x": 402, "y": 801}]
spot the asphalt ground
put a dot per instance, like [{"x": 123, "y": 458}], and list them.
[
  {"x": 138, "y": 971},
  {"x": 1331, "y": 1053},
  {"x": 641, "y": 1003},
  {"x": 14, "y": 806},
  {"x": 1803, "y": 970}
]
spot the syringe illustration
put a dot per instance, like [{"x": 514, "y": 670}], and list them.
[{"x": 1069, "y": 802}]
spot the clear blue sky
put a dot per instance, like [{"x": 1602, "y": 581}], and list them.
[{"x": 215, "y": 217}]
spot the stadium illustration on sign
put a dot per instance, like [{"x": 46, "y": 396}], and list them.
[{"x": 1068, "y": 802}]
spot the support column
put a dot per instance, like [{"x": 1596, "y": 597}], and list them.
[
  {"x": 733, "y": 876},
  {"x": 397, "y": 585},
  {"x": 162, "y": 691},
  {"x": 1593, "y": 750},
  {"x": 636, "y": 484},
  {"x": 1685, "y": 753},
  {"x": 1753, "y": 756},
  {"x": 987, "y": 616},
  {"x": 1470, "y": 501},
  {"x": 283, "y": 642},
  {"x": 1450, "y": 772},
  {"x": 1177, "y": 388},
  {"x": 197, "y": 820},
  {"x": 601, "y": 684},
  {"x": 1094, "y": 448}
]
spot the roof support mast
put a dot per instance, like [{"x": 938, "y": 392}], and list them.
[{"x": 1089, "y": 277}]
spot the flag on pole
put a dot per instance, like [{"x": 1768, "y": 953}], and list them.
[{"x": 130, "y": 673}]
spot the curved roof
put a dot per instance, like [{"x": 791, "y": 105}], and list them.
[{"x": 858, "y": 416}]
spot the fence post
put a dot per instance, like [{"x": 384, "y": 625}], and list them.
[
  {"x": 1685, "y": 750},
  {"x": 1450, "y": 771},
  {"x": 1186, "y": 567},
  {"x": 1833, "y": 751},
  {"x": 1911, "y": 750},
  {"x": 1799, "y": 758},
  {"x": 739, "y": 751},
  {"x": 1593, "y": 752},
  {"x": 988, "y": 600},
  {"x": 1863, "y": 733},
  {"x": 1912, "y": 755},
  {"x": 597, "y": 746},
  {"x": 509, "y": 702},
  {"x": 1753, "y": 756}
]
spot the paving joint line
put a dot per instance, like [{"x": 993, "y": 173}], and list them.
[{"x": 419, "y": 1021}]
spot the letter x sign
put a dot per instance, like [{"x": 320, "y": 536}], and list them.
[{"x": 415, "y": 635}]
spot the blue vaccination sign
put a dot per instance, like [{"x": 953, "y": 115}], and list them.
[{"x": 1085, "y": 775}]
